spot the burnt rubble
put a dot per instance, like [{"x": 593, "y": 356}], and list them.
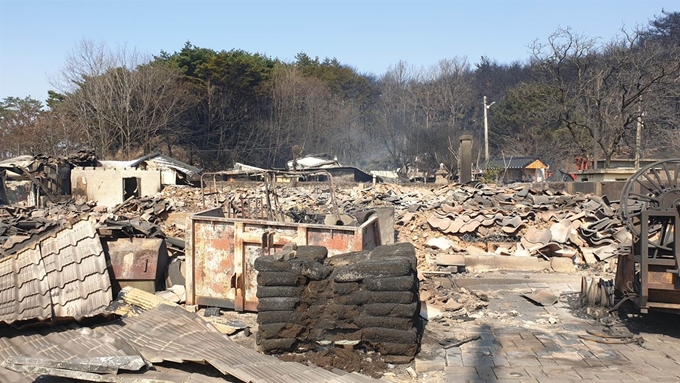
[
  {"x": 138, "y": 217},
  {"x": 444, "y": 223},
  {"x": 332, "y": 305},
  {"x": 526, "y": 222},
  {"x": 464, "y": 219}
]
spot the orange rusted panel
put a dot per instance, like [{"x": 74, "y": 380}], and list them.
[
  {"x": 336, "y": 241},
  {"x": 663, "y": 278},
  {"x": 223, "y": 251},
  {"x": 214, "y": 264}
]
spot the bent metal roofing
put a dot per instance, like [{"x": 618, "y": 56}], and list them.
[
  {"x": 62, "y": 275},
  {"x": 165, "y": 333},
  {"x": 160, "y": 159}
]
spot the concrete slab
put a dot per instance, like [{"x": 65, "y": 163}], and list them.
[
  {"x": 537, "y": 351},
  {"x": 432, "y": 362},
  {"x": 500, "y": 262}
]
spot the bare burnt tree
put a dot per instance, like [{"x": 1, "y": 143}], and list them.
[
  {"x": 600, "y": 85},
  {"x": 118, "y": 99},
  {"x": 661, "y": 110},
  {"x": 396, "y": 116},
  {"x": 303, "y": 112},
  {"x": 445, "y": 100},
  {"x": 60, "y": 135},
  {"x": 348, "y": 136}
]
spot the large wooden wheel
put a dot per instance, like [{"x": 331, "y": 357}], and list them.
[{"x": 653, "y": 188}]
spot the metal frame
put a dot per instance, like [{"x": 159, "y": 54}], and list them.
[
  {"x": 650, "y": 208},
  {"x": 272, "y": 203},
  {"x": 651, "y": 261}
]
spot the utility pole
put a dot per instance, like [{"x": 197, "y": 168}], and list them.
[
  {"x": 596, "y": 134},
  {"x": 486, "y": 130},
  {"x": 638, "y": 135}
]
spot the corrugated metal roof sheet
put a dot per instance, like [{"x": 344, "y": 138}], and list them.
[
  {"x": 160, "y": 160},
  {"x": 20, "y": 161},
  {"x": 59, "y": 344},
  {"x": 63, "y": 275},
  {"x": 24, "y": 292},
  {"x": 173, "y": 334},
  {"x": 166, "y": 333}
]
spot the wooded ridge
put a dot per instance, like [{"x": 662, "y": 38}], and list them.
[{"x": 576, "y": 96}]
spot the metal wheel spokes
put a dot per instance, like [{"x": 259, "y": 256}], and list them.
[{"x": 652, "y": 188}]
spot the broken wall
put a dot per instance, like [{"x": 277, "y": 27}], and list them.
[
  {"x": 364, "y": 300},
  {"x": 106, "y": 185},
  {"x": 20, "y": 193}
]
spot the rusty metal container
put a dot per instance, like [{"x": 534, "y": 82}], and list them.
[
  {"x": 220, "y": 252},
  {"x": 137, "y": 262}
]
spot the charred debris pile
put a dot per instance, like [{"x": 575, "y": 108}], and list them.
[
  {"x": 362, "y": 300},
  {"x": 57, "y": 246}
]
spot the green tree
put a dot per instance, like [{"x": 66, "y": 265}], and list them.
[
  {"x": 19, "y": 121},
  {"x": 664, "y": 29},
  {"x": 227, "y": 89},
  {"x": 526, "y": 122}
]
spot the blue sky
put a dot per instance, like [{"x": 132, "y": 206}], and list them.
[{"x": 370, "y": 35}]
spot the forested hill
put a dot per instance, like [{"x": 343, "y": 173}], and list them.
[{"x": 576, "y": 96}]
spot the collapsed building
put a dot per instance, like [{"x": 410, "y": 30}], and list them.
[
  {"x": 113, "y": 182},
  {"x": 34, "y": 180},
  {"x": 318, "y": 263}
]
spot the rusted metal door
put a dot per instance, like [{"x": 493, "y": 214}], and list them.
[{"x": 221, "y": 252}]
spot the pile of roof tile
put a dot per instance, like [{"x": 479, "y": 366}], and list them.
[
  {"x": 546, "y": 223},
  {"x": 139, "y": 217},
  {"x": 482, "y": 219}
]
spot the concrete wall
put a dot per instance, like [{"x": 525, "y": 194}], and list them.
[
  {"x": 106, "y": 186},
  {"x": 605, "y": 175},
  {"x": 20, "y": 193},
  {"x": 168, "y": 177},
  {"x": 610, "y": 189}
]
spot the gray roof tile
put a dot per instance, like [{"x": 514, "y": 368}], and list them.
[
  {"x": 65, "y": 272},
  {"x": 510, "y": 162}
]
